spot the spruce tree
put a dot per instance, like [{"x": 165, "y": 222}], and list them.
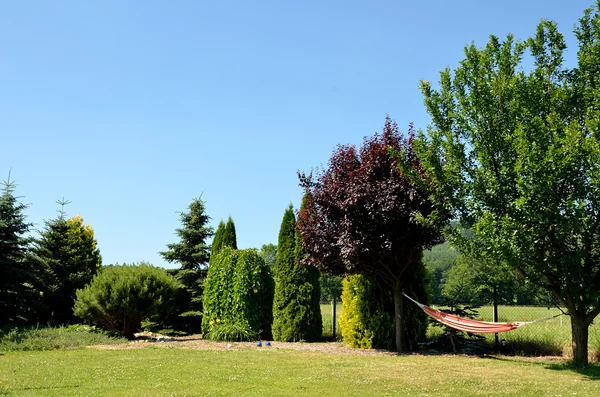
[
  {"x": 67, "y": 254},
  {"x": 192, "y": 253},
  {"x": 15, "y": 273},
  {"x": 296, "y": 308}
]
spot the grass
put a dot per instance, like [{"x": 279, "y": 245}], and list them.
[
  {"x": 35, "y": 338},
  {"x": 260, "y": 371},
  {"x": 327, "y": 316}
]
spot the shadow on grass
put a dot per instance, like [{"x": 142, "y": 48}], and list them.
[{"x": 591, "y": 372}]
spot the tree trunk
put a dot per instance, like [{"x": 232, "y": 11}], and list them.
[
  {"x": 579, "y": 341},
  {"x": 399, "y": 315}
]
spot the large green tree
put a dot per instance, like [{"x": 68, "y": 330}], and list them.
[
  {"x": 16, "y": 276},
  {"x": 67, "y": 254},
  {"x": 193, "y": 254},
  {"x": 515, "y": 154},
  {"x": 296, "y": 306}
]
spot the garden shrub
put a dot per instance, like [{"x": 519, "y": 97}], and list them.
[
  {"x": 238, "y": 290},
  {"x": 119, "y": 298},
  {"x": 367, "y": 319}
]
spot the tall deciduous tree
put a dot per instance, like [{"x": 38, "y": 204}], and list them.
[
  {"x": 516, "y": 155},
  {"x": 193, "y": 254},
  {"x": 296, "y": 306},
  {"x": 68, "y": 255},
  {"x": 364, "y": 214},
  {"x": 15, "y": 273}
]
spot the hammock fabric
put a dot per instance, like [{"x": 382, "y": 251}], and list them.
[{"x": 469, "y": 325}]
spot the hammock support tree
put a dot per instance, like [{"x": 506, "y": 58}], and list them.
[{"x": 470, "y": 325}]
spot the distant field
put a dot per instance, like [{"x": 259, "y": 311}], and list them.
[{"x": 253, "y": 371}]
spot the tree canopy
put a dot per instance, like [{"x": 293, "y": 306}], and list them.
[
  {"x": 68, "y": 258},
  {"x": 369, "y": 213},
  {"x": 16, "y": 275},
  {"x": 514, "y": 154}
]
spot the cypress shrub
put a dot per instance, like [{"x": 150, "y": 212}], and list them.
[
  {"x": 367, "y": 319},
  {"x": 217, "y": 242},
  {"x": 229, "y": 235},
  {"x": 296, "y": 308}
]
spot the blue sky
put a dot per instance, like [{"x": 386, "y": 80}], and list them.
[{"x": 130, "y": 109}]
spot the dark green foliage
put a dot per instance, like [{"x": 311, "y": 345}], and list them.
[
  {"x": 229, "y": 236},
  {"x": 296, "y": 307},
  {"x": 217, "y": 242},
  {"x": 192, "y": 252},
  {"x": 367, "y": 319},
  {"x": 16, "y": 274},
  {"x": 120, "y": 297},
  {"x": 224, "y": 237},
  {"x": 67, "y": 254},
  {"x": 238, "y": 290}
]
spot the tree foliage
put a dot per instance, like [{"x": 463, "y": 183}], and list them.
[
  {"x": 515, "y": 155},
  {"x": 120, "y": 297},
  {"x": 368, "y": 213},
  {"x": 225, "y": 236},
  {"x": 238, "y": 291},
  {"x": 296, "y": 307},
  {"x": 269, "y": 254},
  {"x": 217, "y": 242},
  {"x": 16, "y": 274},
  {"x": 193, "y": 254},
  {"x": 229, "y": 235},
  {"x": 67, "y": 254}
]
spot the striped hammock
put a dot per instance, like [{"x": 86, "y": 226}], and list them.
[{"x": 470, "y": 325}]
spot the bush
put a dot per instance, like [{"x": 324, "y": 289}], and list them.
[
  {"x": 119, "y": 298},
  {"x": 238, "y": 290},
  {"x": 367, "y": 319}
]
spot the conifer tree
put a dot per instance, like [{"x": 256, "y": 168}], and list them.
[
  {"x": 217, "y": 242},
  {"x": 296, "y": 308},
  {"x": 15, "y": 273},
  {"x": 68, "y": 257},
  {"x": 192, "y": 252},
  {"x": 229, "y": 236}
]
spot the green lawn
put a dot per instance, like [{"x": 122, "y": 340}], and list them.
[{"x": 258, "y": 371}]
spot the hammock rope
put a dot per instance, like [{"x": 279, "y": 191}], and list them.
[{"x": 473, "y": 326}]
